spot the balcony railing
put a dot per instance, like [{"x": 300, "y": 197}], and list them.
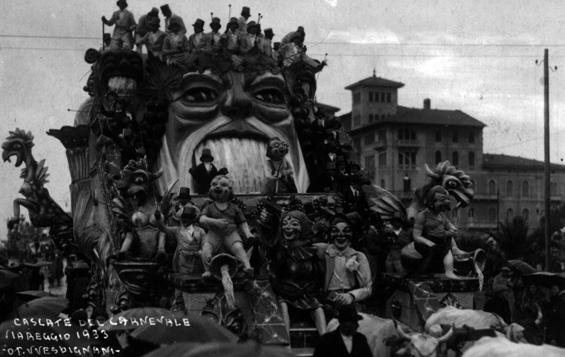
[{"x": 407, "y": 142}]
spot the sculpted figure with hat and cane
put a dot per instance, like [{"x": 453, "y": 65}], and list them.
[
  {"x": 242, "y": 21},
  {"x": 124, "y": 23},
  {"x": 231, "y": 35},
  {"x": 186, "y": 259},
  {"x": 205, "y": 172},
  {"x": 153, "y": 39},
  {"x": 170, "y": 16},
  {"x": 213, "y": 38},
  {"x": 197, "y": 40},
  {"x": 176, "y": 43},
  {"x": 145, "y": 25}
]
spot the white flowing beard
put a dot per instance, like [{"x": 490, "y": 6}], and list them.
[{"x": 245, "y": 158}]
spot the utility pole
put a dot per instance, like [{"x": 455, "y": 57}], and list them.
[{"x": 546, "y": 152}]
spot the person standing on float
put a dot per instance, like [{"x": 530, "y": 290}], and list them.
[{"x": 124, "y": 23}]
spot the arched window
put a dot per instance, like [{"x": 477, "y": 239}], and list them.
[
  {"x": 383, "y": 183},
  {"x": 553, "y": 188},
  {"x": 491, "y": 188},
  {"x": 370, "y": 118},
  {"x": 525, "y": 189},
  {"x": 509, "y": 188},
  {"x": 492, "y": 215},
  {"x": 470, "y": 213},
  {"x": 438, "y": 157},
  {"x": 509, "y": 214},
  {"x": 471, "y": 159},
  {"x": 525, "y": 214},
  {"x": 455, "y": 158}
]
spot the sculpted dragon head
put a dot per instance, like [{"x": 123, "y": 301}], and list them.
[
  {"x": 456, "y": 182},
  {"x": 18, "y": 144}
]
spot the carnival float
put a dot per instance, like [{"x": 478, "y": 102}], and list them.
[{"x": 206, "y": 178}]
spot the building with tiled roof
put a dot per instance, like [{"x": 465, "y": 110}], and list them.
[{"x": 393, "y": 142}]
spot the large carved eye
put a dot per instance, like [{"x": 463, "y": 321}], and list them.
[
  {"x": 139, "y": 180},
  {"x": 268, "y": 89},
  {"x": 16, "y": 146},
  {"x": 200, "y": 95},
  {"x": 452, "y": 184},
  {"x": 199, "y": 89},
  {"x": 270, "y": 95}
]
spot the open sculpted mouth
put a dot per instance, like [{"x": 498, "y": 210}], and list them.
[{"x": 245, "y": 159}]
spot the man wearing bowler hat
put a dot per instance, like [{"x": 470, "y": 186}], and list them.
[
  {"x": 197, "y": 40},
  {"x": 345, "y": 341},
  {"x": 124, "y": 23},
  {"x": 205, "y": 172}
]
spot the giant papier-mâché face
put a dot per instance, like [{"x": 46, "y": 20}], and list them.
[{"x": 234, "y": 115}]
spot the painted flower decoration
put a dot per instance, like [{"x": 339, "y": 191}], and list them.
[{"x": 352, "y": 264}]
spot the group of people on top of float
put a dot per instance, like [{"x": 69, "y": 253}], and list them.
[{"x": 172, "y": 45}]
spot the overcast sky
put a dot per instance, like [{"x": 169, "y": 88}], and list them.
[{"x": 477, "y": 56}]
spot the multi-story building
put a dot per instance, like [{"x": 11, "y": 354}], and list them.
[{"x": 393, "y": 143}]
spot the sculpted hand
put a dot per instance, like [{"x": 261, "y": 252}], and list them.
[
  {"x": 221, "y": 223},
  {"x": 429, "y": 243},
  {"x": 344, "y": 299}
]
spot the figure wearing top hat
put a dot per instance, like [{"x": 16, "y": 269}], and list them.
[
  {"x": 231, "y": 35},
  {"x": 124, "y": 23},
  {"x": 213, "y": 38},
  {"x": 186, "y": 259},
  {"x": 265, "y": 42},
  {"x": 197, "y": 40},
  {"x": 180, "y": 200},
  {"x": 345, "y": 341},
  {"x": 205, "y": 172},
  {"x": 175, "y": 44},
  {"x": 154, "y": 39},
  {"x": 245, "y": 15},
  {"x": 144, "y": 26},
  {"x": 249, "y": 40},
  {"x": 170, "y": 16}
]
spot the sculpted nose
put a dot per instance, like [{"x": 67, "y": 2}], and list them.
[{"x": 238, "y": 104}]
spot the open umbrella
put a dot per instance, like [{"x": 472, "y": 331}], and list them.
[
  {"x": 8, "y": 278},
  {"x": 522, "y": 267},
  {"x": 545, "y": 278},
  {"x": 200, "y": 329},
  {"x": 133, "y": 318},
  {"x": 46, "y": 307},
  {"x": 29, "y": 295},
  {"x": 251, "y": 349},
  {"x": 177, "y": 349}
]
